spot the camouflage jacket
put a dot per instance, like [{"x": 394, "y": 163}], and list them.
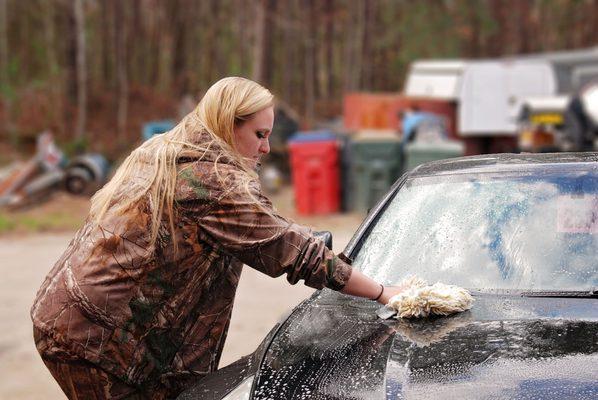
[{"x": 150, "y": 314}]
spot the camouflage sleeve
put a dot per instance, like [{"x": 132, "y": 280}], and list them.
[{"x": 259, "y": 237}]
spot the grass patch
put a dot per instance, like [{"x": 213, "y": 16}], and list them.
[
  {"x": 51, "y": 221},
  {"x": 6, "y": 224}
]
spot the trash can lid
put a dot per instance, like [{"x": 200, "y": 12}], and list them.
[{"x": 312, "y": 136}]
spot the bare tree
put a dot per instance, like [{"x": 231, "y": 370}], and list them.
[
  {"x": 3, "y": 44},
  {"x": 354, "y": 45},
  {"x": 240, "y": 35},
  {"x": 107, "y": 33},
  {"x": 525, "y": 26},
  {"x": 50, "y": 36},
  {"x": 310, "y": 62},
  {"x": 4, "y": 82},
  {"x": 288, "y": 52},
  {"x": 259, "y": 46},
  {"x": 165, "y": 49},
  {"x": 121, "y": 67},
  {"x": 591, "y": 18},
  {"x": 211, "y": 50},
  {"x": 326, "y": 72},
  {"x": 54, "y": 73},
  {"x": 366, "y": 44},
  {"x": 81, "y": 69},
  {"x": 309, "y": 52}
]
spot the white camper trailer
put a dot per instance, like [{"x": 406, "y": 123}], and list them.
[
  {"x": 435, "y": 79},
  {"x": 488, "y": 94}
]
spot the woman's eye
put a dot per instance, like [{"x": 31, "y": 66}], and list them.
[{"x": 260, "y": 135}]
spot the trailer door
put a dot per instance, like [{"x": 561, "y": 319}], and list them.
[{"x": 492, "y": 93}]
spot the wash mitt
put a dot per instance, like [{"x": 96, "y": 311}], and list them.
[{"x": 420, "y": 300}]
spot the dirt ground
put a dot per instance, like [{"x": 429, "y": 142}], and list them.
[{"x": 25, "y": 259}]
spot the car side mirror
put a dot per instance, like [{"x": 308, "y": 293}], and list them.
[{"x": 326, "y": 237}]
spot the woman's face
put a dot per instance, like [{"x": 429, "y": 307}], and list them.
[{"x": 251, "y": 137}]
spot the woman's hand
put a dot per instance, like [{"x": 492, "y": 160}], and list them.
[{"x": 390, "y": 291}]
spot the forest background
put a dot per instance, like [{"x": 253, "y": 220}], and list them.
[{"x": 93, "y": 71}]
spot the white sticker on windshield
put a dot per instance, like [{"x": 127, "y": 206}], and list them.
[{"x": 577, "y": 215}]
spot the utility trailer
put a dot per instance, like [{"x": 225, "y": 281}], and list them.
[{"x": 489, "y": 95}]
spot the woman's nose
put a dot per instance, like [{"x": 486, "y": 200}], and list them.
[{"x": 265, "y": 146}]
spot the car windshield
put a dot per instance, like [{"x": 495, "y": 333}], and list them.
[{"x": 536, "y": 230}]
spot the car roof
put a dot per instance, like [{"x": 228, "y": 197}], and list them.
[{"x": 488, "y": 163}]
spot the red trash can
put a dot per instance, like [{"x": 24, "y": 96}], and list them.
[{"x": 315, "y": 172}]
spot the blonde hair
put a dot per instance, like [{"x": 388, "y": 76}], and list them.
[{"x": 149, "y": 173}]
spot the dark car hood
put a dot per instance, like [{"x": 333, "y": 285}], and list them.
[{"x": 335, "y": 347}]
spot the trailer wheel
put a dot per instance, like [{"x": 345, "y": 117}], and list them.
[{"x": 78, "y": 179}]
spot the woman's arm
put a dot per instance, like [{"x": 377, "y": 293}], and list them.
[
  {"x": 362, "y": 286},
  {"x": 266, "y": 241},
  {"x": 243, "y": 223}
]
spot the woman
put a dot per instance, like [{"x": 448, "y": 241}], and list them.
[{"x": 140, "y": 302}]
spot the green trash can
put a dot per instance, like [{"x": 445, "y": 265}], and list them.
[
  {"x": 375, "y": 164},
  {"x": 417, "y": 153}
]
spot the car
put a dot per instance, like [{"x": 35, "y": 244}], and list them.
[{"x": 519, "y": 231}]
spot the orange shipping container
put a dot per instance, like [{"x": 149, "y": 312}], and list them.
[
  {"x": 382, "y": 110},
  {"x": 370, "y": 111}
]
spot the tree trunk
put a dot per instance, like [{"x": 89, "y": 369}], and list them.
[
  {"x": 135, "y": 30},
  {"x": 54, "y": 75},
  {"x": 49, "y": 32},
  {"x": 310, "y": 60},
  {"x": 155, "y": 44},
  {"x": 366, "y": 54},
  {"x": 354, "y": 61},
  {"x": 4, "y": 81},
  {"x": 291, "y": 54},
  {"x": 268, "y": 54},
  {"x": 106, "y": 34},
  {"x": 259, "y": 40},
  {"x": 121, "y": 68},
  {"x": 81, "y": 70},
  {"x": 164, "y": 57},
  {"x": 213, "y": 71},
  {"x": 183, "y": 17},
  {"x": 239, "y": 33},
  {"x": 328, "y": 71},
  {"x": 524, "y": 27},
  {"x": 262, "y": 50},
  {"x": 592, "y": 17},
  {"x": 3, "y": 45}
]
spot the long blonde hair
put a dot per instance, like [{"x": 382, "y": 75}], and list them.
[{"x": 149, "y": 173}]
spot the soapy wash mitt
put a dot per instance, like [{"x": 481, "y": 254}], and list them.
[{"x": 420, "y": 300}]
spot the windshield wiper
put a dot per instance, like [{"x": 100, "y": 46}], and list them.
[{"x": 592, "y": 293}]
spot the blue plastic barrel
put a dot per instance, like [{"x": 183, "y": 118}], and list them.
[{"x": 155, "y": 128}]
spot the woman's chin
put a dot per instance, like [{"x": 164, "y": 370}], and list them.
[{"x": 253, "y": 164}]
